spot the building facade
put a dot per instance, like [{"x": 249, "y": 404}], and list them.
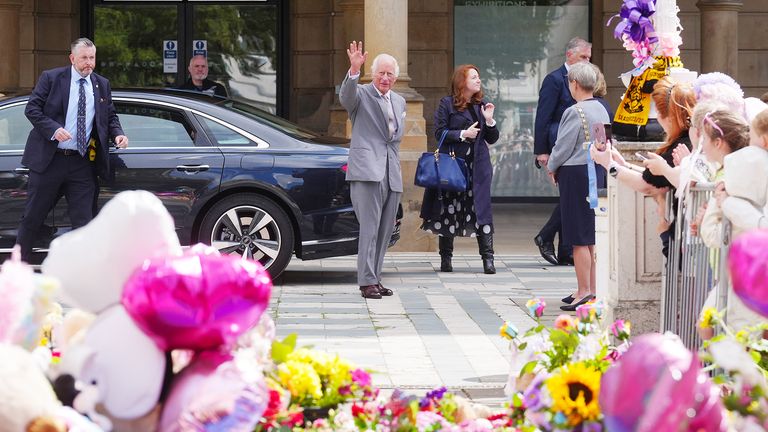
[{"x": 289, "y": 56}]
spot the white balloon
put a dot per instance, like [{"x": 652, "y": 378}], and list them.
[{"x": 94, "y": 262}]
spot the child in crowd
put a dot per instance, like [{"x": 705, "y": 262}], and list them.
[
  {"x": 744, "y": 173},
  {"x": 748, "y": 212}
]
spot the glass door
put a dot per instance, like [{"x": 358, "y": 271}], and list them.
[
  {"x": 242, "y": 49},
  {"x": 129, "y": 43},
  {"x": 241, "y": 40},
  {"x": 521, "y": 43}
]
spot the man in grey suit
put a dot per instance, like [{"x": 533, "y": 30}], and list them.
[{"x": 373, "y": 170}]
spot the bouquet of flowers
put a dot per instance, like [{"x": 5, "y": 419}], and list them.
[
  {"x": 556, "y": 372},
  {"x": 438, "y": 410},
  {"x": 740, "y": 362},
  {"x": 305, "y": 383}
]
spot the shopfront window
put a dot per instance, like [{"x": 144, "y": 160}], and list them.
[
  {"x": 239, "y": 38},
  {"x": 520, "y": 42}
]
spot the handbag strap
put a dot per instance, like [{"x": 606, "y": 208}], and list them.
[{"x": 437, "y": 164}]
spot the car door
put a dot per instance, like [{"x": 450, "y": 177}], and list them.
[
  {"x": 14, "y": 129},
  {"x": 167, "y": 156}
]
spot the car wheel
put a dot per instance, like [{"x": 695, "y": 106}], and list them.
[{"x": 252, "y": 227}]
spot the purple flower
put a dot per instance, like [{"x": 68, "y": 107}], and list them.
[{"x": 532, "y": 395}]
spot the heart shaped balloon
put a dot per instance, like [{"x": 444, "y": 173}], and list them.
[
  {"x": 676, "y": 391},
  {"x": 199, "y": 301},
  {"x": 748, "y": 265}
]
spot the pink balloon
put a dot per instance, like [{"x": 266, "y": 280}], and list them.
[
  {"x": 748, "y": 265},
  {"x": 672, "y": 387},
  {"x": 199, "y": 301},
  {"x": 212, "y": 395}
]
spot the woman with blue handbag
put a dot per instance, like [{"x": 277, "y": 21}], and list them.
[{"x": 468, "y": 120}]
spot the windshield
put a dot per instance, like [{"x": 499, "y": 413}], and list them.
[{"x": 271, "y": 120}]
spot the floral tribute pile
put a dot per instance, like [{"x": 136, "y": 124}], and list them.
[{"x": 176, "y": 340}]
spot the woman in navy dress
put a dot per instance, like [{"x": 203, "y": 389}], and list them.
[
  {"x": 568, "y": 165},
  {"x": 468, "y": 118}
]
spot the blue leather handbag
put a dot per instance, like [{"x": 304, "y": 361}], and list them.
[{"x": 441, "y": 171}]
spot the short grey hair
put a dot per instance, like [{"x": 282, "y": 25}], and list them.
[
  {"x": 385, "y": 57},
  {"x": 585, "y": 75},
  {"x": 82, "y": 43},
  {"x": 575, "y": 43}
]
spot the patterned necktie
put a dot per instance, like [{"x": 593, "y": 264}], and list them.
[{"x": 82, "y": 142}]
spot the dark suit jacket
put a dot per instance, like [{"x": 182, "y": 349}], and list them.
[
  {"x": 47, "y": 111},
  {"x": 447, "y": 117},
  {"x": 554, "y": 99}
]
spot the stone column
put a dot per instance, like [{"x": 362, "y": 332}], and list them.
[
  {"x": 9, "y": 48},
  {"x": 386, "y": 31},
  {"x": 629, "y": 280},
  {"x": 720, "y": 53}
]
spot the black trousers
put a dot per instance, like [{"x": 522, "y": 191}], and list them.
[
  {"x": 71, "y": 176},
  {"x": 555, "y": 226}
]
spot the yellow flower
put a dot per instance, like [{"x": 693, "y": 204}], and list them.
[
  {"x": 709, "y": 318},
  {"x": 300, "y": 379},
  {"x": 575, "y": 389}
]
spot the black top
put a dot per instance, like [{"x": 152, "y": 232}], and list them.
[
  {"x": 208, "y": 86},
  {"x": 660, "y": 181}
]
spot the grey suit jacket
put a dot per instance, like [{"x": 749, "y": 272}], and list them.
[{"x": 372, "y": 147}]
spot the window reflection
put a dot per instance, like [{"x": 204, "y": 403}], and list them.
[
  {"x": 242, "y": 50},
  {"x": 522, "y": 41}
]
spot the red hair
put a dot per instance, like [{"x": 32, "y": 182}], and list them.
[
  {"x": 674, "y": 101},
  {"x": 459, "y": 84}
]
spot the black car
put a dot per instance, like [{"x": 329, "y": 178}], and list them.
[{"x": 231, "y": 175}]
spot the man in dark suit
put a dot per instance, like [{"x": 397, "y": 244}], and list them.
[
  {"x": 73, "y": 119},
  {"x": 554, "y": 98},
  {"x": 198, "y": 78},
  {"x": 376, "y": 183}
]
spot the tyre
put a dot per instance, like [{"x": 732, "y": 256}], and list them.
[{"x": 250, "y": 226}]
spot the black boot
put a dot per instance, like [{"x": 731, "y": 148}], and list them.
[
  {"x": 446, "y": 252},
  {"x": 485, "y": 242}
]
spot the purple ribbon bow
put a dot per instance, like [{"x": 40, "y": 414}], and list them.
[{"x": 635, "y": 22}]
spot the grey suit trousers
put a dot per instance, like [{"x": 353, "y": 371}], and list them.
[{"x": 375, "y": 206}]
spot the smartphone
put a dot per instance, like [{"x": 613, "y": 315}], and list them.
[
  {"x": 598, "y": 136},
  {"x": 641, "y": 156}
]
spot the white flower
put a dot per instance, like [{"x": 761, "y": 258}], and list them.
[
  {"x": 733, "y": 357},
  {"x": 589, "y": 347}
]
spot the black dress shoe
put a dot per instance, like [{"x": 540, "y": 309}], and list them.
[
  {"x": 370, "y": 292},
  {"x": 568, "y": 300},
  {"x": 384, "y": 291},
  {"x": 546, "y": 249},
  {"x": 572, "y": 307},
  {"x": 566, "y": 260}
]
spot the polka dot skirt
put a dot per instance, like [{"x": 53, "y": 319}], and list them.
[{"x": 457, "y": 213}]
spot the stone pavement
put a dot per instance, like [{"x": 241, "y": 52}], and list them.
[{"x": 439, "y": 329}]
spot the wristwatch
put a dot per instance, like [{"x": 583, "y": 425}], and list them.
[{"x": 613, "y": 171}]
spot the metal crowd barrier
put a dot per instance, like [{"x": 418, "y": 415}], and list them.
[{"x": 692, "y": 269}]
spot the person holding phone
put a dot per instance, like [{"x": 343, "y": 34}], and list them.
[
  {"x": 468, "y": 118},
  {"x": 554, "y": 99},
  {"x": 674, "y": 102},
  {"x": 568, "y": 167}
]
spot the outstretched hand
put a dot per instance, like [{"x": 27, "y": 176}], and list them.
[{"x": 356, "y": 56}]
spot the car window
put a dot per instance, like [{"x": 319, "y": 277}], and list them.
[
  {"x": 149, "y": 126},
  {"x": 274, "y": 121},
  {"x": 14, "y": 128},
  {"x": 225, "y": 136}
]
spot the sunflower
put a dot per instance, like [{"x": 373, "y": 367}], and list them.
[{"x": 575, "y": 389}]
